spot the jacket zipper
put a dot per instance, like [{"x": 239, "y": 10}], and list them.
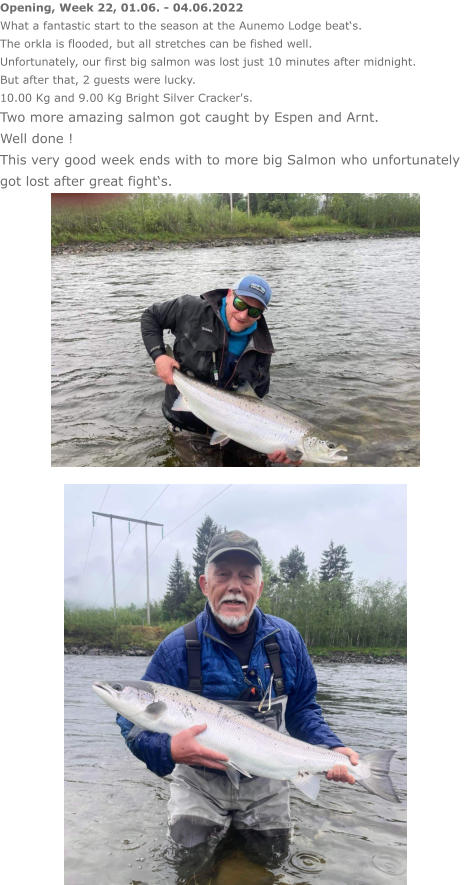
[
  {"x": 225, "y": 644},
  {"x": 216, "y": 375},
  {"x": 246, "y": 350}
]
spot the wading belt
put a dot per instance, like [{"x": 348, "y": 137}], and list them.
[{"x": 194, "y": 663}]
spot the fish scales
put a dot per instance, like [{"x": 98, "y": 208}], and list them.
[
  {"x": 251, "y": 746},
  {"x": 240, "y": 733},
  {"x": 254, "y": 423}
]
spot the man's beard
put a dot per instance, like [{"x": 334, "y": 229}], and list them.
[{"x": 232, "y": 620}]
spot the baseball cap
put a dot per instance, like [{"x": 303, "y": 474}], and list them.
[
  {"x": 253, "y": 286},
  {"x": 230, "y": 542}
]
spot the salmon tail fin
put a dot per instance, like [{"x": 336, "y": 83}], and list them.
[{"x": 379, "y": 781}]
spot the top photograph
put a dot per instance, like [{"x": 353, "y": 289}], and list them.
[{"x": 244, "y": 330}]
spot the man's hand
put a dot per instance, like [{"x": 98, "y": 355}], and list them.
[
  {"x": 164, "y": 365},
  {"x": 341, "y": 772},
  {"x": 280, "y": 457},
  {"x": 184, "y": 748}
]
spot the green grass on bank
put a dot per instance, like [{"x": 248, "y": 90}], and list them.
[
  {"x": 119, "y": 636},
  {"x": 188, "y": 219},
  {"x": 101, "y": 630}
]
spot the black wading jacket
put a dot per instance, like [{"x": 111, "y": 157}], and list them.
[{"x": 201, "y": 342}]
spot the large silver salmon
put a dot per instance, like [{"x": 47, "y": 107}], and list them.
[
  {"x": 252, "y": 747},
  {"x": 253, "y": 423}
]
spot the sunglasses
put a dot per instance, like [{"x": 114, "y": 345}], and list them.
[{"x": 253, "y": 312}]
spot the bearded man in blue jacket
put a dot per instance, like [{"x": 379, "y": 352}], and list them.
[{"x": 236, "y": 654}]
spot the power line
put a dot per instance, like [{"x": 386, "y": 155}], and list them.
[
  {"x": 91, "y": 534},
  {"x": 154, "y": 502},
  {"x": 167, "y": 536},
  {"x": 175, "y": 528},
  {"x": 116, "y": 558},
  {"x": 146, "y": 523}
]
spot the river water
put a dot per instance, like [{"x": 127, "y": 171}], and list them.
[
  {"x": 344, "y": 321},
  {"x": 116, "y": 809}
]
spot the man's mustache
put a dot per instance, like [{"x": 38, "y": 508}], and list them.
[{"x": 233, "y": 597}]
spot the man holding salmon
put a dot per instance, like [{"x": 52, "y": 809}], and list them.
[
  {"x": 255, "y": 662},
  {"x": 221, "y": 337}
]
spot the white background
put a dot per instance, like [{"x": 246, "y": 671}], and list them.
[{"x": 431, "y": 117}]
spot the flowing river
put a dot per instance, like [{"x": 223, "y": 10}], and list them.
[
  {"x": 116, "y": 830},
  {"x": 344, "y": 321}
]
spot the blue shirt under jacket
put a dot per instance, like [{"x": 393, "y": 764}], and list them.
[{"x": 223, "y": 678}]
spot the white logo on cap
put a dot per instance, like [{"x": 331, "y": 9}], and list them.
[{"x": 258, "y": 288}]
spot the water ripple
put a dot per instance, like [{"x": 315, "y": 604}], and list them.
[{"x": 344, "y": 319}]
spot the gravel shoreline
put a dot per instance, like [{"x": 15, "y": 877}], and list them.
[
  {"x": 337, "y": 657},
  {"x": 88, "y": 248}
]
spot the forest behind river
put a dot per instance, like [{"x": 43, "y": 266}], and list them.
[
  {"x": 208, "y": 218},
  {"x": 332, "y": 611}
]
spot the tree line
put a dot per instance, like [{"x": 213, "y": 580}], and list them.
[
  {"x": 362, "y": 210},
  {"x": 327, "y": 606},
  {"x": 182, "y": 217}
]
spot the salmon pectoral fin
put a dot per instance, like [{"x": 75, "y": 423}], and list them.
[
  {"x": 233, "y": 771},
  {"x": 219, "y": 439},
  {"x": 180, "y": 404}
]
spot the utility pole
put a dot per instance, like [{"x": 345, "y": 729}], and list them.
[{"x": 129, "y": 519}]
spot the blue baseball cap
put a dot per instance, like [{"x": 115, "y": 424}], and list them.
[{"x": 254, "y": 286}]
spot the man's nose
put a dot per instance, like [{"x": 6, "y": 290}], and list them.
[{"x": 234, "y": 583}]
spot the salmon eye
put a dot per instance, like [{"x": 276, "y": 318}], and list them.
[
  {"x": 117, "y": 686},
  {"x": 331, "y": 445}
]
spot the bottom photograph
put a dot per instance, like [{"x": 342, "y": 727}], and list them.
[{"x": 235, "y": 684}]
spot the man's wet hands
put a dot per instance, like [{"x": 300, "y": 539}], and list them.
[
  {"x": 280, "y": 457},
  {"x": 341, "y": 772},
  {"x": 185, "y": 749},
  {"x": 164, "y": 365}
]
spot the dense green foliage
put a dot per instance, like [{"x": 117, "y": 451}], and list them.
[
  {"x": 179, "y": 588},
  {"x": 98, "y": 627},
  {"x": 375, "y": 210},
  {"x": 189, "y": 218},
  {"x": 167, "y": 218},
  {"x": 285, "y": 205},
  {"x": 329, "y": 609},
  {"x": 334, "y": 564}
]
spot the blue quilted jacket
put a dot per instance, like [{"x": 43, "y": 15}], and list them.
[{"x": 223, "y": 678}]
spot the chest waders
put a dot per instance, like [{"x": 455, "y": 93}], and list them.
[
  {"x": 267, "y": 709},
  {"x": 204, "y": 802}
]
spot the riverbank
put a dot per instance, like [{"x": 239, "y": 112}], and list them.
[
  {"x": 95, "y": 247},
  {"x": 337, "y": 656}
]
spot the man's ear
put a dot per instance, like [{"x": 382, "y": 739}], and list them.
[
  {"x": 203, "y": 584},
  {"x": 261, "y": 587}
]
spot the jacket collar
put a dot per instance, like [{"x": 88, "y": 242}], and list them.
[{"x": 261, "y": 339}]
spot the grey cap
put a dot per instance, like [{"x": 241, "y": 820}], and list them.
[{"x": 231, "y": 542}]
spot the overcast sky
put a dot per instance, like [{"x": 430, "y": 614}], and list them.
[{"x": 370, "y": 520}]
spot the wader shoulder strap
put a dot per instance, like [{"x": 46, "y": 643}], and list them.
[
  {"x": 272, "y": 650},
  {"x": 192, "y": 645},
  {"x": 194, "y": 663}
]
